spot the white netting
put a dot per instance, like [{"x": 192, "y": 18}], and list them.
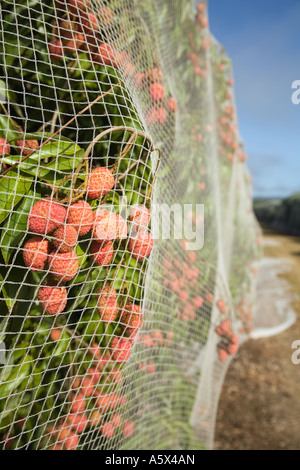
[{"x": 110, "y": 110}]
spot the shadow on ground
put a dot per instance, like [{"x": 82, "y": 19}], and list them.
[{"x": 260, "y": 402}]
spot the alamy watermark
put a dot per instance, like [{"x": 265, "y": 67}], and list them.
[
  {"x": 168, "y": 222},
  {"x": 296, "y": 94},
  {"x": 296, "y": 354}
]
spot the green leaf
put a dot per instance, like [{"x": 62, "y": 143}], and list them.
[
  {"x": 13, "y": 187},
  {"x": 9, "y": 301},
  {"x": 20, "y": 373},
  {"x": 15, "y": 226},
  {"x": 7, "y": 130}
]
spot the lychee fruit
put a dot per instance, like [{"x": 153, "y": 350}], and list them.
[
  {"x": 77, "y": 422},
  {"x": 90, "y": 22},
  {"x": 80, "y": 216},
  {"x": 156, "y": 91},
  {"x": 140, "y": 217},
  {"x": 45, "y": 216},
  {"x": 109, "y": 226},
  {"x": 4, "y": 147},
  {"x": 156, "y": 116},
  {"x": 94, "y": 374},
  {"x": 106, "y": 55},
  {"x": 64, "y": 238},
  {"x": 71, "y": 442},
  {"x": 55, "y": 334},
  {"x": 26, "y": 147},
  {"x": 74, "y": 44},
  {"x": 161, "y": 115},
  {"x": 128, "y": 428},
  {"x": 197, "y": 302},
  {"x": 107, "y": 304},
  {"x": 87, "y": 387},
  {"x": 56, "y": 50},
  {"x": 116, "y": 419},
  {"x": 53, "y": 299},
  {"x": 222, "y": 355},
  {"x": 108, "y": 430},
  {"x": 63, "y": 266},
  {"x": 131, "y": 318},
  {"x": 140, "y": 246},
  {"x": 153, "y": 75},
  {"x": 102, "y": 252},
  {"x": 35, "y": 253},
  {"x": 139, "y": 80},
  {"x": 121, "y": 349},
  {"x": 77, "y": 7},
  {"x": 78, "y": 403},
  {"x": 172, "y": 105},
  {"x": 101, "y": 181}
]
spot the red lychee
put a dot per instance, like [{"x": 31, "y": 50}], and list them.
[
  {"x": 94, "y": 374},
  {"x": 109, "y": 226},
  {"x": 4, "y": 147},
  {"x": 107, "y": 304},
  {"x": 74, "y": 44},
  {"x": 25, "y": 147},
  {"x": 45, "y": 216},
  {"x": 106, "y": 55},
  {"x": 156, "y": 91},
  {"x": 131, "y": 318},
  {"x": 80, "y": 216},
  {"x": 140, "y": 217},
  {"x": 53, "y": 299},
  {"x": 139, "y": 80},
  {"x": 140, "y": 246},
  {"x": 128, "y": 428},
  {"x": 90, "y": 22},
  {"x": 64, "y": 238},
  {"x": 197, "y": 302},
  {"x": 77, "y": 422},
  {"x": 55, "y": 334},
  {"x": 56, "y": 50},
  {"x": 222, "y": 355},
  {"x": 102, "y": 252},
  {"x": 71, "y": 442},
  {"x": 78, "y": 403},
  {"x": 77, "y": 7},
  {"x": 63, "y": 266},
  {"x": 172, "y": 105},
  {"x": 35, "y": 253},
  {"x": 153, "y": 75},
  {"x": 116, "y": 419},
  {"x": 108, "y": 430},
  {"x": 156, "y": 116},
  {"x": 101, "y": 181},
  {"x": 87, "y": 387},
  {"x": 121, "y": 349}
]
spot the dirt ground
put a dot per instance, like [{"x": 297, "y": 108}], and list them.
[{"x": 259, "y": 407}]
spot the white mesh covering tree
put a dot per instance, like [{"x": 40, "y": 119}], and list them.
[{"x": 112, "y": 340}]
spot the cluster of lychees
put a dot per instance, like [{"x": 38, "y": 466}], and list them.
[
  {"x": 151, "y": 81},
  {"x": 57, "y": 230},
  {"x": 229, "y": 342},
  {"x": 80, "y": 32}
]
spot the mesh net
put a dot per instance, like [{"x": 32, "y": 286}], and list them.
[{"x": 116, "y": 330}]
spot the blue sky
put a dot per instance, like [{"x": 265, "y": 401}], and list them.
[{"x": 262, "y": 38}]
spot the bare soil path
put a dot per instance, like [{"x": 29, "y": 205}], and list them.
[{"x": 259, "y": 407}]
